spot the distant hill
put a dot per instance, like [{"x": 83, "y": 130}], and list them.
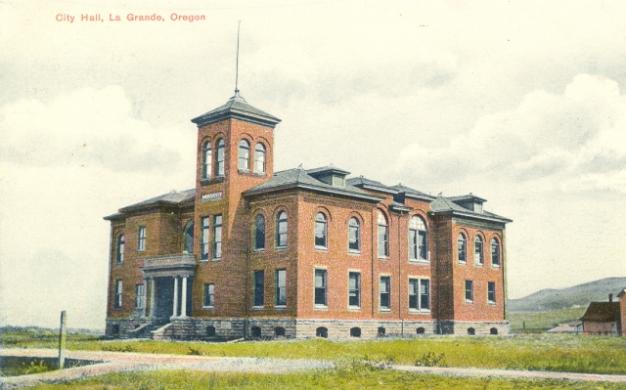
[{"x": 581, "y": 295}]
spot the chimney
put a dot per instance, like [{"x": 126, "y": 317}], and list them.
[{"x": 610, "y": 297}]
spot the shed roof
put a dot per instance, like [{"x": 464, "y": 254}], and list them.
[{"x": 601, "y": 312}]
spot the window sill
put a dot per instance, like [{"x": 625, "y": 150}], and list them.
[
  {"x": 491, "y": 303},
  {"x": 354, "y": 252},
  {"x": 281, "y": 248},
  {"x": 280, "y": 307},
  {"x": 495, "y": 265},
  {"x": 469, "y": 301},
  {"x": 354, "y": 308},
  {"x": 216, "y": 259},
  {"x": 419, "y": 311},
  {"x": 257, "y": 308},
  {"x": 321, "y": 248},
  {"x": 320, "y": 307},
  {"x": 478, "y": 265},
  {"x": 462, "y": 262},
  {"x": 204, "y": 260},
  {"x": 385, "y": 310},
  {"x": 208, "y": 307},
  {"x": 419, "y": 261},
  {"x": 383, "y": 257},
  {"x": 258, "y": 250}
]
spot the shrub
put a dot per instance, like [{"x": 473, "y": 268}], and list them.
[{"x": 431, "y": 359}]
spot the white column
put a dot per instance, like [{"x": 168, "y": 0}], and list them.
[
  {"x": 152, "y": 297},
  {"x": 175, "y": 300},
  {"x": 183, "y": 302}
]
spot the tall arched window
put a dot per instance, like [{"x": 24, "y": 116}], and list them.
[
  {"x": 354, "y": 235},
  {"x": 418, "y": 239},
  {"x": 383, "y": 235},
  {"x": 259, "y": 232},
  {"x": 478, "y": 250},
  {"x": 321, "y": 231},
  {"x": 121, "y": 241},
  {"x": 219, "y": 169},
  {"x": 495, "y": 252},
  {"x": 461, "y": 244},
  {"x": 188, "y": 238},
  {"x": 207, "y": 156},
  {"x": 281, "y": 230},
  {"x": 244, "y": 156},
  {"x": 259, "y": 158}
]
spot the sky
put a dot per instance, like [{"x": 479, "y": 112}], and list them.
[{"x": 520, "y": 102}]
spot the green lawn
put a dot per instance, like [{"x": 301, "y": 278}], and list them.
[
  {"x": 355, "y": 376},
  {"x": 539, "y": 321},
  {"x": 534, "y": 352}
]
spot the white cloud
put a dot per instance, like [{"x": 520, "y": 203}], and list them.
[
  {"x": 546, "y": 136},
  {"x": 85, "y": 127}
]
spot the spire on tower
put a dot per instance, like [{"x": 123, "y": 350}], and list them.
[{"x": 237, "y": 60}]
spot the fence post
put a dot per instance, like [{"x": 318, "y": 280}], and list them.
[{"x": 62, "y": 340}]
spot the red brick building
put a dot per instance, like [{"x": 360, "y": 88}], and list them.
[{"x": 250, "y": 252}]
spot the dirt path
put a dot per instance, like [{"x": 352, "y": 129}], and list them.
[{"x": 126, "y": 361}]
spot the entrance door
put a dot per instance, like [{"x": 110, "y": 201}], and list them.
[{"x": 164, "y": 299}]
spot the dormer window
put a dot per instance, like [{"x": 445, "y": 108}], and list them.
[
  {"x": 207, "y": 156},
  {"x": 219, "y": 168},
  {"x": 259, "y": 158},
  {"x": 243, "y": 163}
]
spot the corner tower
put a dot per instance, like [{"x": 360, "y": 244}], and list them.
[{"x": 234, "y": 153}]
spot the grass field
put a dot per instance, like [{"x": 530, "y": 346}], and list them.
[
  {"x": 359, "y": 376},
  {"x": 591, "y": 354},
  {"x": 539, "y": 321}
]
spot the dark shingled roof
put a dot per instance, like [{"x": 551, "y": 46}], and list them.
[
  {"x": 237, "y": 107},
  {"x": 443, "y": 205},
  {"x": 371, "y": 184},
  {"x": 412, "y": 192},
  {"x": 299, "y": 178},
  {"x": 601, "y": 312},
  {"x": 174, "y": 198}
]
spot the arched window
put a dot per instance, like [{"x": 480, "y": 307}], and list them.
[
  {"x": 321, "y": 231},
  {"x": 471, "y": 331},
  {"x": 355, "y": 332},
  {"x": 259, "y": 232},
  {"x": 321, "y": 332},
  {"x": 207, "y": 156},
  {"x": 210, "y": 331},
  {"x": 255, "y": 332},
  {"x": 478, "y": 250},
  {"x": 121, "y": 242},
  {"x": 420, "y": 330},
  {"x": 188, "y": 238},
  {"x": 493, "y": 331},
  {"x": 259, "y": 158},
  {"x": 383, "y": 235},
  {"x": 281, "y": 230},
  {"x": 219, "y": 168},
  {"x": 461, "y": 244},
  {"x": 279, "y": 331},
  {"x": 381, "y": 332},
  {"x": 418, "y": 239},
  {"x": 354, "y": 235},
  {"x": 495, "y": 252},
  {"x": 244, "y": 156}
]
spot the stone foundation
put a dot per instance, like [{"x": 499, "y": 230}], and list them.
[{"x": 269, "y": 328}]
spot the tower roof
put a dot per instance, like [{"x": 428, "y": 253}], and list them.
[{"x": 237, "y": 107}]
